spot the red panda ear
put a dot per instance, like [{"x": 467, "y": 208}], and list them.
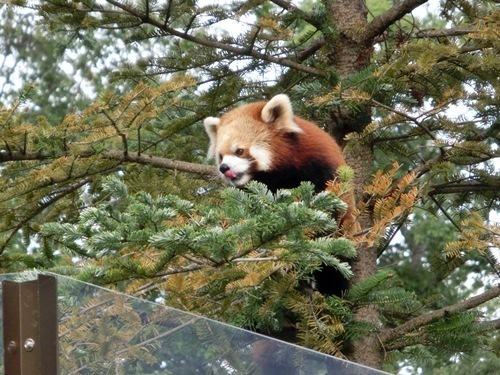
[
  {"x": 278, "y": 111},
  {"x": 211, "y": 124}
]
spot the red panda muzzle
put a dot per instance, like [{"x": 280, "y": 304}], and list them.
[{"x": 226, "y": 171}]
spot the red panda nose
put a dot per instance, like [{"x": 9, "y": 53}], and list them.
[
  {"x": 226, "y": 171},
  {"x": 223, "y": 168}
]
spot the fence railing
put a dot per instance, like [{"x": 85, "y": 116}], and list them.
[{"x": 78, "y": 328}]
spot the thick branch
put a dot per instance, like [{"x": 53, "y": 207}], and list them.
[
  {"x": 381, "y": 23},
  {"x": 163, "y": 163},
  {"x": 6, "y": 156},
  {"x": 310, "y": 49},
  {"x": 119, "y": 155},
  {"x": 389, "y": 335}
]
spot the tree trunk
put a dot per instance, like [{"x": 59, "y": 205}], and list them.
[
  {"x": 366, "y": 350},
  {"x": 349, "y": 52}
]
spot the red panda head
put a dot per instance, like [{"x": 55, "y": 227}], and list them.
[{"x": 242, "y": 140}]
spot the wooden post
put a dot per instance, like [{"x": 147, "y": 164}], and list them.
[{"x": 30, "y": 326}]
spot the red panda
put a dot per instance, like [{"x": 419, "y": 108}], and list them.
[{"x": 265, "y": 142}]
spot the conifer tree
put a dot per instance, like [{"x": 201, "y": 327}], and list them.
[{"x": 112, "y": 174}]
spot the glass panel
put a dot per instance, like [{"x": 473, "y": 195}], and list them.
[{"x": 104, "y": 332}]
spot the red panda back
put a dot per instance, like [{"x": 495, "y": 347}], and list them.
[{"x": 313, "y": 144}]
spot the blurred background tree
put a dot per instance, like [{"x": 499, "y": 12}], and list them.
[{"x": 102, "y": 103}]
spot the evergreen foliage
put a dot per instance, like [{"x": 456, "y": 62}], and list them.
[
  {"x": 250, "y": 252},
  {"x": 104, "y": 175}
]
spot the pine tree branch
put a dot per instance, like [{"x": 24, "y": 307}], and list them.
[
  {"x": 191, "y": 268},
  {"x": 461, "y": 51},
  {"x": 389, "y": 335},
  {"x": 421, "y": 338},
  {"x": 41, "y": 206},
  {"x": 309, "y": 50},
  {"x": 463, "y": 186},
  {"x": 9, "y": 155},
  {"x": 163, "y": 163},
  {"x": 142, "y": 344},
  {"x": 493, "y": 131},
  {"x": 299, "y": 12},
  {"x": 216, "y": 44},
  {"x": 435, "y": 33},
  {"x": 427, "y": 165},
  {"x": 492, "y": 324},
  {"x": 169, "y": 332},
  {"x": 119, "y": 155},
  {"x": 382, "y": 22}
]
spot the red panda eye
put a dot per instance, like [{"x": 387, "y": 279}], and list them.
[{"x": 239, "y": 152}]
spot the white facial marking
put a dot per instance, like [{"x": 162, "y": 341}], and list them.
[
  {"x": 240, "y": 166},
  {"x": 242, "y": 180},
  {"x": 262, "y": 156}
]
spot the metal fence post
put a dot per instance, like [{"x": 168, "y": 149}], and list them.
[{"x": 30, "y": 326}]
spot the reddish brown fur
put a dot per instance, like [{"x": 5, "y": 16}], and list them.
[
  {"x": 313, "y": 143},
  {"x": 245, "y": 124}
]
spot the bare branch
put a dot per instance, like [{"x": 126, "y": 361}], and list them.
[{"x": 388, "y": 335}]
